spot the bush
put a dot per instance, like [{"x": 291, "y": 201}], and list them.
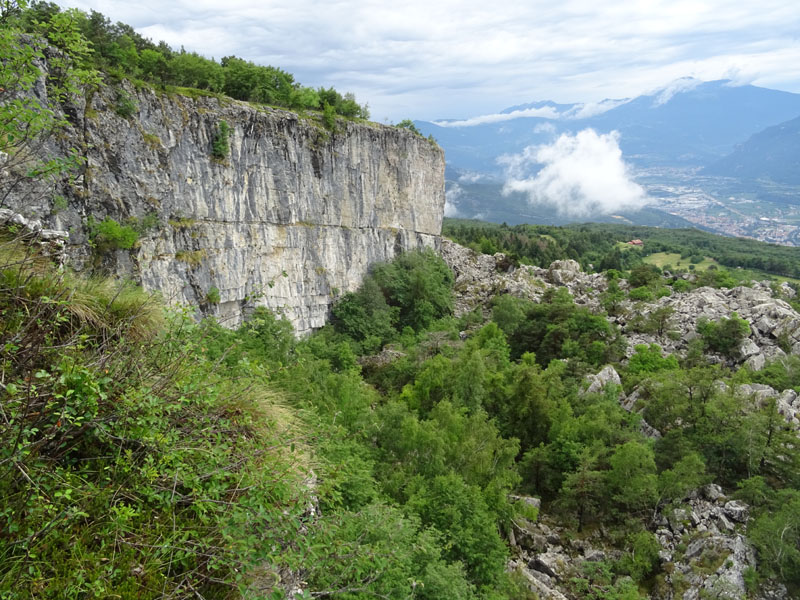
[
  {"x": 125, "y": 106},
  {"x": 649, "y": 360},
  {"x": 220, "y": 146},
  {"x": 408, "y": 124},
  {"x": 212, "y": 296},
  {"x": 420, "y": 284},
  {"x": 110, "y": 235},
  {"x": 328, "y": 116},
  {"x": 641, "y": 294},
  {"x": 724, "y": 336},
  {"x": 681, "y": 285}
]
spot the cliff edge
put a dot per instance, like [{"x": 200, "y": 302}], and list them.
[{"x": 290, "y": 218}]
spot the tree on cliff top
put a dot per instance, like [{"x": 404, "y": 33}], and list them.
[{"x": 32, "y": 97}]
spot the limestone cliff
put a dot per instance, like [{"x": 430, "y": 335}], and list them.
[{"x": 290, "y": 219}]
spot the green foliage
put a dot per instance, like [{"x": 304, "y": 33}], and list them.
[
  {"x": 687, "y": 474},
  {"x": 27, "y": 120},
  {"x": 120, "y": 51},
  {"x": 597, "y": 582},
  {"x": 412, "y": 291},
  {"x": 598, "y": 244},
  {"x": 329, "y": 116},
  {"x": 632, "y": 476},
  {"x": 648, "y": 359},
  {"x": 557, "y": 328},
  {"x": 126, "y": 106},
  {"x": 724, "y": 336},
  {"x": 220, "y": 145},
  {"x": 656, "y": 321},
  {"x": 365, "y": 316},
  {"x": 644, "y": 275},
  {"x": 459, "y": 512},
  {"x": 409, "y": 124},
  {"x": 212, "y": 295},
  {"x": 776, "y": 535},
  {"x": 110, "y": 235},
  {"x": 418, "y": 283},
  {"x": 613, "y": 297},
  {"x": 781, "y": 374},
  {"x": 681, "y": 285},
  {"x": 124, "y": 436},
  {"x": 641, "y": 560},
  {"x": 641, "y": 294}
]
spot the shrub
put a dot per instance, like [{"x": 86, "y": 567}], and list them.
[
  {"x": 724, "y": 336},
  {"x": 212, "y": 296},
  {"x": 641, "y": 293},
  {"x": 420, "y": 285},
  {"x": 681, "y": 285},
  {"x": 408, "y": 124},
  {"x": 125, "y": 106},
  {"x": 648, "y": 359},
  {"x": 110, "y": 235},
  {"x": 328, "y": 116},
  {"x": 220, "y": 146}
]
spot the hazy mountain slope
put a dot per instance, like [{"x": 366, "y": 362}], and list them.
[
  {"x": 689, "y": 123},
  {"x": 772, "y": 154}
]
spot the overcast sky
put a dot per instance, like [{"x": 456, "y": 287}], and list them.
[{"x": 436, "y": 59}]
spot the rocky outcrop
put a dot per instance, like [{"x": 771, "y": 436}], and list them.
[
  {"x": 772, "y": 321},
  {"x": 52, "y": 242},
  {"x": 787, "y": 402},
  {"x": 606, "y": 376},
  {"x": 480, "y": 277},
  {"x": 290, "y": 219},
  {"x": 704, "y": 552}
]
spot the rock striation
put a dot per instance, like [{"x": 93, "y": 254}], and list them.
[{"x": 290, "y": 219}]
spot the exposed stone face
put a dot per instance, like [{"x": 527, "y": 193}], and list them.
[{"x": 290, "y": 219}]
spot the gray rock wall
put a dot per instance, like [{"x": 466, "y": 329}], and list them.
[{"x": 291, "y": 219}]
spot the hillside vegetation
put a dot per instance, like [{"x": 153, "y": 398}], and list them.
[
  {"x": 597, "y": 244},
  {"x": 144, "y": 455},
  {"x": 119, "y": 51}
]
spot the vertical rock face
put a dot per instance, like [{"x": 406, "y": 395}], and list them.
[{"x": 290, "y": 219}]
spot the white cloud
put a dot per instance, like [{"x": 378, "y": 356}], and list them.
[
  {"x": 450, "y": 197},
  {"x": 592, "y": 109},
  {"x": 545, "y": 127},
  {"x": 472, "y": 177},
  {"x": 581, "y": 175},
  {"x": 545, "y": 112},
  {"x": 668, "y": 92}
]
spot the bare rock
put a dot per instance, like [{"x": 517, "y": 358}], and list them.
[{"x": 597, "y": 383}]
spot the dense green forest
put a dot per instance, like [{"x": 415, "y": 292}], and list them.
[
  {"x": 598, "y": 244},
  {"x": 119, "y": 51}
]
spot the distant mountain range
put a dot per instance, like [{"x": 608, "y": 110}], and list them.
[
  {"x": 714, "y": 155},
  {"x": 689, "y": 123},
  {"x": 772, "y": 154}
]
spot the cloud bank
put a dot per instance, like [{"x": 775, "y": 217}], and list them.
[
  {"x": 581, "y": 175},
  {"x": 450, "y": 197},
  {"x": 545, "y": 112}
]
